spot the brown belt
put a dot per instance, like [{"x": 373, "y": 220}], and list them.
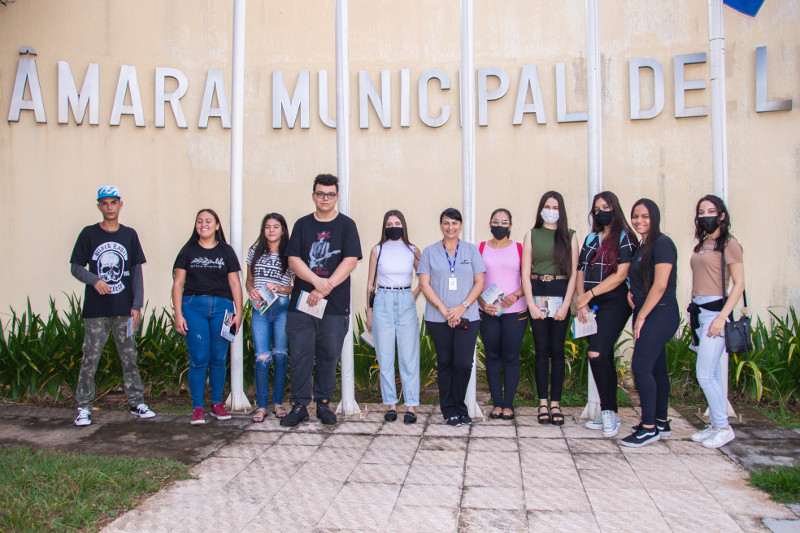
[{"x": 547, "y": 277}]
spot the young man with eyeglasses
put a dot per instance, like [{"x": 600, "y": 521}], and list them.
[{"x": 323, "y": 250}]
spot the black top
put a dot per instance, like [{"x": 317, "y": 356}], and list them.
[
  {"x": 322, "y": 246},
  {"x": 664, "y": 251},
  {"x": 594, "y": 274},
  {"x": 207, "y": 269},
  {"x": 111, "y": 255}
]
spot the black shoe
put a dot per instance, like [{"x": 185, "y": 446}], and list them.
[
  {"x": 495, "y": 416},
  {"x": 641, "y": 437},
  {"x": 324, "y": 413},
  {"x": 663, "y": 427},
  {"x": 556, "y": 417},
  {"x": 390, "y": 416},
  {"x": 298, "y": 414},
  {"x": 508, "y": 416},
  {"x": 465, "y": 420},
  {"x": 454, "y": 421},
  {"x": 409, "y": 418}
]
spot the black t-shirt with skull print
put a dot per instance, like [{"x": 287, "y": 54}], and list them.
[{"x": 111, "y": 255}]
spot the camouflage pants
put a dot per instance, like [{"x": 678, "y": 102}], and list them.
[{"x": 94, "y": 340}]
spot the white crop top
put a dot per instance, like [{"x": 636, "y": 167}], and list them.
[{"x": 395, "y": 264}]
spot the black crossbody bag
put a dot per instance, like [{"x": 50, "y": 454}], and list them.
[{"x": 738, "y": 333}]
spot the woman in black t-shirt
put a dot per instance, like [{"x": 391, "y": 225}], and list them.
[
  {"x": 205, "y": 286},
  {"x": 602, "y": 269},
  {"x": 656, "y": 318}
]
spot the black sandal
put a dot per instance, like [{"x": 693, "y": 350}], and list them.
[
  {"x": 390, "y": 416},
  {"x": 544, "y": 418},
  {"x": 557, "y": 419}
]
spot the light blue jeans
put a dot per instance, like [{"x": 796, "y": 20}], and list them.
[
  {"x": 271, "y": 344},
  {"x": 394, "y": 320},
  {"x": 709, "y": 372}
]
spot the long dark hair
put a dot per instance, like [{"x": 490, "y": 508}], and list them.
[
  {"x": 398, "y": 214},
  {"x": 262, "y": 245},
  {"x": 609, "y": 248},
  {"x": 502, "y": 210},
  {"x": 562, "y": 247},
  {"x": 219, "y": 234},
  {"x": 724, "y": 224},
  {"x": 652, "y": 235}
]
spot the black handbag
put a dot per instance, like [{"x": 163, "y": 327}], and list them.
[
  {"x": 738, "y": 333},
  {"x": 371, "y": 300}
]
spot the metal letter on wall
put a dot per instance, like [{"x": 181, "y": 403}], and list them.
[
  {"x": 68, "y": 94},
  {"x": 561, "y": 99},
  {"x": 484, "y": 95},
  {"x": 762, "y": 105},
  {"x": 634, "y": 66},
  {"x": 290, "y": 106},
  {"x": 444, "y": 82},
  {"x": 405, "y": 98},
  {"x": 529, "y": 80},
  {"x": 682, "y": 85},
  {"x": 26, "y": 73},
  {"x": 174, "y": 98},
  {"x": 215, "y": 83},
  {"x": 127, "y": 81},
  {"x": 382, "y": 104},
  {"x": 324, "y": 116}
]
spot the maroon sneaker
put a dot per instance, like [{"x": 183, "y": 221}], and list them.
[
  {"x": 198, "y": 416},
  {"x": 219, "y": 412}
]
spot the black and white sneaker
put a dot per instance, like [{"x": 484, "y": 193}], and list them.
[
  {"x": 663, "y": 427},
  {"x": 298, "y": 414},
  {"x": 142, "y": 411},
  {"x": 465, "y": 420},
  {"x": 641, "y": 437},
  {"x": 453, "y": 421},
  {"x": 84, "y": 417}
]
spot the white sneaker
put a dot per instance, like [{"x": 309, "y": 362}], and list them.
[
  {"x": 610, "y": 425},
  {"x": 83, "y": 418},
  {"x": 704, "y": 433},
  {"x": 597, "y": 423},
  {"x": 720, "y": 438},
  {"x": 142, "y": 411}
]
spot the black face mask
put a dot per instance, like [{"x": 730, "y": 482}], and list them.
[
  {"x": 708, "y": 224},
  {"x": 499, "y": 232},
  {"x": 393, "y": 233},
  {"x": 604, "y": 218}
]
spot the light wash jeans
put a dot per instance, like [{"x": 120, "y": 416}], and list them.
[
  {"x": 394, "y": 318},
  {"x": 708, "y": 368},
  {"x": 269, "y": 339}
]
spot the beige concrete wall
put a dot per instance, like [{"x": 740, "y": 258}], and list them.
[{"x": 50, "y": 172}]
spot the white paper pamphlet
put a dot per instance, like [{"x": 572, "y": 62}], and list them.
[
  {"x": 316, "y": 311},
  {"x": 579, "y": 329},
  {"x": 268, "y": 298},
  {"x": 368, "y": 338},
  {"x": 549, "y": 305},
  {"x": 494, "y": 296},
  {"x": 130, "y": 332},
  {"x": 227, "y": 323}
]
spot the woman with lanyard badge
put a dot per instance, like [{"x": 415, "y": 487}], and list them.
[
  {"x": 392, "y": 314},
  {"x": 602, "y": 270},
  {"x": 710, "y": 308},
  {"x": 502, "y": 323},
  {"x": 451, "y": 276}
]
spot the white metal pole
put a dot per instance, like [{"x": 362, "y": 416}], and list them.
[
  {"x": 348, "y": 405},
  {"x": 468, "y": 159},
  {"x": 237, "y": 401},
  {"x": 595, "y": 143}
]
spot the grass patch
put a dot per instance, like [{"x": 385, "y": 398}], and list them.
[
  {"x": 48, "y": 490},
  {"x": 782, "y": 483},
  {"x": 780, "y": 414}
]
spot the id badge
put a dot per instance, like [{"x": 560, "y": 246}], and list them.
[{"x": 453, "y": 284}]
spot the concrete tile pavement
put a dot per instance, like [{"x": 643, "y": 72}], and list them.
[{"x": 368, "y": 475}]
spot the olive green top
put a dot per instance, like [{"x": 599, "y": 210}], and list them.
[{"x": 542, "y": 260}]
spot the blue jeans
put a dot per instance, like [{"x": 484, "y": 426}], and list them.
[
  {"x": 207, "y": 349},
  {"x": 709, "y": 371},
  {"x": 269, "y": 338},
  {"x": 394, "y": 319}
]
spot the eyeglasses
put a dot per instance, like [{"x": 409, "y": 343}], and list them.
[
  {"x": 326, "y": 195},
  {"x": 495, "y": 222}
]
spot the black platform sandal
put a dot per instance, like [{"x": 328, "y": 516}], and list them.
[
  {"x": 544, "y": 418},
  {"x": 557, "y": 419}
]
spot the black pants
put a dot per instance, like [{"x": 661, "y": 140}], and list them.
[
  {"x": 649, "y": 361},
  {"x": 455, "y": 348},
  {"x": 502, "y": 338},
  {"x": 612, "y": 314},
  {"x": 314, "y": 341},
  {"x": 548, "y": 340}
]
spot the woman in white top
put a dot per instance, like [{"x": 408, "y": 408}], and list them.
[{"x": 392, "y": 314}]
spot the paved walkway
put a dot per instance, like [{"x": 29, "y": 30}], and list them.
[{"x": 365, "y": 474}]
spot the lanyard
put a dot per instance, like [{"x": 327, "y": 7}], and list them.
[{"x": 455, "y": 257}]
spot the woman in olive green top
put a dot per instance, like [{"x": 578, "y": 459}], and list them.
[{"x": 549, "y": 262}]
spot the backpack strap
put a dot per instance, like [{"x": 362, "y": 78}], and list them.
[
  {"x": 519, "y": 249},
  {"x": 481, "y": 246}
]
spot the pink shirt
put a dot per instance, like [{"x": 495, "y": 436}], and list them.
[{"x": 503, "y": 269}]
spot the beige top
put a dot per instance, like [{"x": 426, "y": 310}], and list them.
[{"x": 707, "y": 267}]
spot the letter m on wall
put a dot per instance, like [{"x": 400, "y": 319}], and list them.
[{"x": 283, "y": 105}]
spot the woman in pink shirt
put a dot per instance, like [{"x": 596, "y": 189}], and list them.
[{"x": 503, "y": 322}]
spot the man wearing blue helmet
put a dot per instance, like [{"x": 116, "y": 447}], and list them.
[{"x": 112, "y": 302}]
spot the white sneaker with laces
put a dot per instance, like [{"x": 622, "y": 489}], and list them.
[
  {"x": 597, "y": 423},
  {"x": 142, "y": 411},
  {"x": 704, "y": 433},
  {"x": 720, "y": 438},
  {"x": 610, "y": 426},
  {"x": 84, "y": 417}
]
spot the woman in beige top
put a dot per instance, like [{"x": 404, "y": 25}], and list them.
[{"x": 712, "y": 303}]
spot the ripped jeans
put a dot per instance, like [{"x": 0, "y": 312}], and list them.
[{"x": 271, "y": 344}]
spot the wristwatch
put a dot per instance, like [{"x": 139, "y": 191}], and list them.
[{"x": 465, "y": 304}]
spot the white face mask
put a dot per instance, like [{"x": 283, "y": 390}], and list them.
[{"x": 550, "y": 216}]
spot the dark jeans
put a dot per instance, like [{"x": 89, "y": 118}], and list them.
[
  {"x": 314, "y": 341},
  {"x": 649, "y": 361},
  {"x": 502, "y": 338},
  {"x": 455, "y": 348},
  {"x": 612, "y": 314},
  {"x": 548, "y": 340}
]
